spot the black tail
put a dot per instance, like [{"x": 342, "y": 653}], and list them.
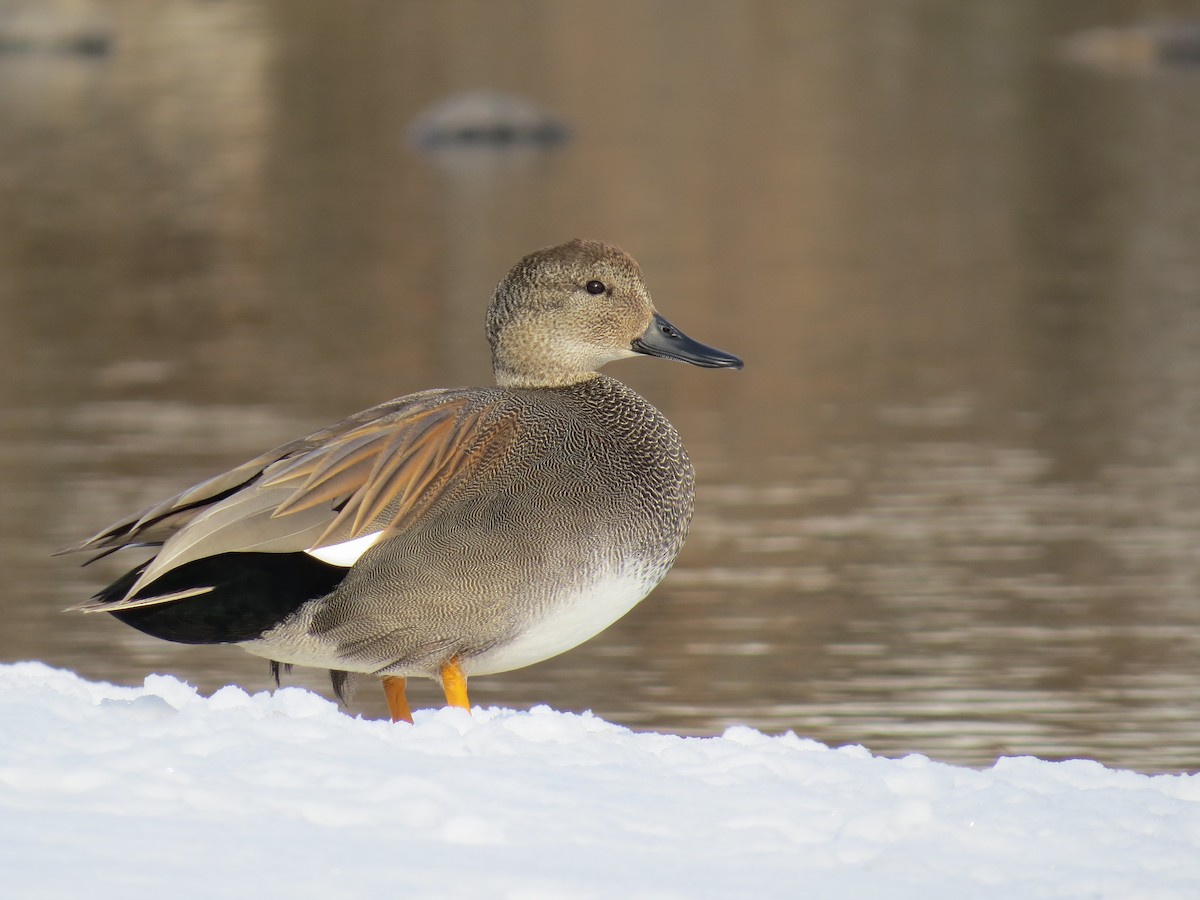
[{"x": 250, "y": 593}]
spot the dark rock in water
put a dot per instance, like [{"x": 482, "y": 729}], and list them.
[
  {"x": 94, "y": 44},
  {"x": 1181, "y": 46},
  {"x": 49, "y": 29},
  {"x": 486, "y": 119},
  {"x": 1136, "y": 48}
]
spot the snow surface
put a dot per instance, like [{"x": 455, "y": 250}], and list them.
[{"x": 158, "y": 792}]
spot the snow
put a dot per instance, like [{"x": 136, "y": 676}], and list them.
[{"x": 157, "y": 791}]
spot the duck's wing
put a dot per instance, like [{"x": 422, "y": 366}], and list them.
[{"x": 369, "y": 475}]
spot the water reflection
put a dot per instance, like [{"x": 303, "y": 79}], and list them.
[{"x": 949, "y": 507}]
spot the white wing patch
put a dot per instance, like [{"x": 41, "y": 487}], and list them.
[{"x": 347, "y": 553}]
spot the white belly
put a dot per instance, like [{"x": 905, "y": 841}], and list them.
[{"x": 576, "y": 619}]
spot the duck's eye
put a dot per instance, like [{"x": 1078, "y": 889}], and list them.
[{"x": 595, "y": 287}]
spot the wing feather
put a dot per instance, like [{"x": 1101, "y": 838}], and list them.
[{"x": 378, "y": 471}]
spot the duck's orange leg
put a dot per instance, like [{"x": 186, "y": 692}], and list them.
[
  {"x": 454, "y": 683},
  {"x": 393, "y": 689}
]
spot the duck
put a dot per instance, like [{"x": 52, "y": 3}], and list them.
[{"x": 448, "y": 533}]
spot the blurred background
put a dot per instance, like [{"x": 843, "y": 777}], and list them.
[{"x": 951, "y": 505}]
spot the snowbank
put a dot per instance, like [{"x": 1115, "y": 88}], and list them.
[{"x": 155, "y": 791}]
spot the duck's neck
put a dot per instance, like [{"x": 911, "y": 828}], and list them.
[{"x": 533, "y": 380}]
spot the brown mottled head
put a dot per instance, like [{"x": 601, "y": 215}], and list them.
[{"x": 565, "y": 311}]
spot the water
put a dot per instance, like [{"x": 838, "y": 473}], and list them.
[{"x": 952, "y": 504}]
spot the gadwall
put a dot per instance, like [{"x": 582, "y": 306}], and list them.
[{"x": 449, "y": 533}]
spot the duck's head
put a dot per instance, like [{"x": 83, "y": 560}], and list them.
[{"x": 565, "y": 311}]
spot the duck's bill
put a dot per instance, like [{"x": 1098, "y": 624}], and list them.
[{"x": 665, "y": 340}]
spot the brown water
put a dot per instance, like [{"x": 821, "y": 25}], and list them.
[{"x": 951, "y": 506}]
